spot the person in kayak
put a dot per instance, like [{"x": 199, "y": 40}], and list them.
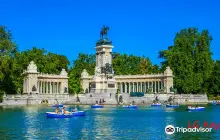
[
  {"x": 57, "y": 110},
  {"x": 64, "y": 111},
  {"x": 196, "y": 105},
  {"x": 75, "y": 109}
]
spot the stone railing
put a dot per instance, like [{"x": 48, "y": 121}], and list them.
[
  {"x": 159, "y": 75},
  {"x": 53, "y": 76},
  {"x": 140, "y": 76}
]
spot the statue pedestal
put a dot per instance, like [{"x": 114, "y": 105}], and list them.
[{"x": 103, "y": 84}]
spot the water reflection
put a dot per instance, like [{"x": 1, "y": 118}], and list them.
[{"x": 107, "y": 123}]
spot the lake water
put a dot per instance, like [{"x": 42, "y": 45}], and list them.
[{"x": 111, "y": 122}]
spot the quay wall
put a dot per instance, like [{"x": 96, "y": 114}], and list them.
[{"x": 94, "y": 97}]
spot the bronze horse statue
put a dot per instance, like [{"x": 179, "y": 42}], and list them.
[{"x": 104, "y": 32}]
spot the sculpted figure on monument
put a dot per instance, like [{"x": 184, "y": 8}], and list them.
[
  {"x": 104, "y": 37},
  {"x": 34, "y": 88},
  {"x": 104, "y": 32},
  {"x": 108, "y": 68},
  {"x": 97, "y": 70}
]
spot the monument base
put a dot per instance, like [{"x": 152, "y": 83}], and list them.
[
  {"x": 101, "y": 84},
  {"x": 103, "y": 90}
]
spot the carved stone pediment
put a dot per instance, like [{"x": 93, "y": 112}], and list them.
[
  {"x": 32, "y": 67},
  {"x": 63, "y": 72}
]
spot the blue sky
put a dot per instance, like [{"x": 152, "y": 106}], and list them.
[{"x": 138, "y": 27}]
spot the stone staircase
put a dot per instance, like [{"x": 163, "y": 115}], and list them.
[{"x": 91, "y": 98}]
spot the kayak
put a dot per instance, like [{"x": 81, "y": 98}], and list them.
[
  {"x": 54, "y": 115},
  {"x": 72, "y": 114},
  {"x": 58, "y": 105},
  {"x": 213, "y": 103},
  {"x": 196, "y": 108},
  {"x": 97, "y": 106},
  {"x": 133, "y": 106},
  {"x": 171, "y": 106},
  {"x": 79, "y": 113},
  {"x": 155, "y": 104}
]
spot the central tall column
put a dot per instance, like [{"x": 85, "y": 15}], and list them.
[{"x": 103, "y": 80}]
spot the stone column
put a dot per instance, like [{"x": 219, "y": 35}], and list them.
[
  {"x": 141, "y": 87},
  {"x": 155, "y": 86},
  {"x": 135, "y": 84},
  {"x": 121, "y": 87},
  {"x": 129, "y": 89},
  {"x": 144, "y": 87},
  {"x": 125, "y": 87},
  {"x": 132, "y": 87},
  {"x": 57, "y": 87},
  {"x": 46, "y": 87},
  {"x": 39, "y": 86},
  {"x": 50, "y": 88},
  {"x": 147, "y": 85},
  {"x": 158, "y": 86},
  {"x": 53, "y": 87},
  {"x": 42, "y": 86}
]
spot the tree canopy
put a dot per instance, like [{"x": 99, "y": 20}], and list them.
[{"x": 190, "y": 59}]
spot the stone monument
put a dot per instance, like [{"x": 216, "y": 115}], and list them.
[{"x": 103, "y": 79}]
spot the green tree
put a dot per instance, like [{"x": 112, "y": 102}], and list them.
[
  {"x": 145, "y": 66},
  {"x": 190, "y": 59},
  {"x": 8, "y": 50},
  {"x": 84, "y": 61},
  {"x": 214, "y": 81}
]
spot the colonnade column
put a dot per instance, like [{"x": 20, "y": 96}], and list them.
[
  {"x": 50, "y": 88},
  {"x": 141, "y": 87},
  {"x": 57, "y": 87},
  {"x": 129, "y": 87},
  {"x": 125, "y": 87},
  {"x": 40, "y": 87},
  {"x": 121, "y": 87},
  {"x": 46, "y": 87},
  {"x": 158, "y": 86},
  {"x": 133, "y": 86}
]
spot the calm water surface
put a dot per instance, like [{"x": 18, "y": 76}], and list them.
[{"x": 111, "y": 122}]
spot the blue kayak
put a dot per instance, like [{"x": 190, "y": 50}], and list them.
[
  {"x": 156, "y": 104},
  {"x": 58, "y": 105},
  {"x": 72, "y": 114},
  {"x": 54, "y": 115},
  {"x": 171, "y": 106},
  {"x": 196, "y": 108},
  {"x": 97, "y": 106},
  {"x": 133, "y": 106}
]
